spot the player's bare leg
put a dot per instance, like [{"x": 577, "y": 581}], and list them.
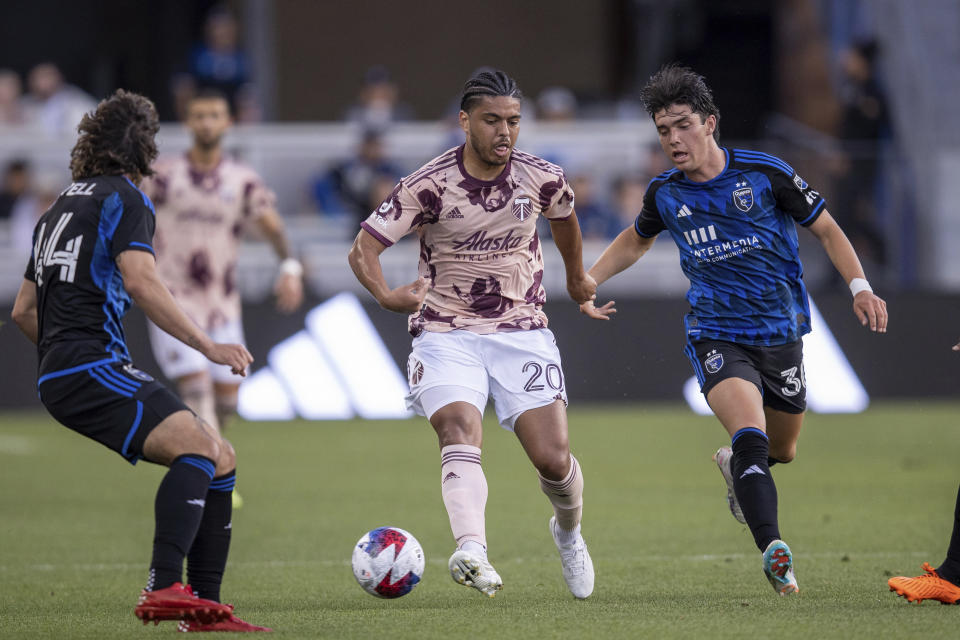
[
  {"x": 196, "y": 391},
  {"x": 783, "y": 429},
  {"x": 225, "y": 397},
  {"x": 738, "y": 405},
  {"x": 464, "y": 488},
  {"x": 543, "y": 434}
]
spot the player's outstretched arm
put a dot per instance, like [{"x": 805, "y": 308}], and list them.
[
  {"x": 870, "y": 309},
  {"x": 289, "y": 285},
  {"x": 25, "y": 310},
  {"x": 566, "y": 235},
  {"x": 364, "y": 259},
  {"x": 141, "y": 281},
  {"x": 623, "y": 252}
]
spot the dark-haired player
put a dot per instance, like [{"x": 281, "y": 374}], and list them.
[
  {"x": 477, "y": 320},
  {"x": 733, "y": 214},
  {"x": 92, "y": 254},
  {"x": 205, "y": 201}
]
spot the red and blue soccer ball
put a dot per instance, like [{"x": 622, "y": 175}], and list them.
[{"x": 388, "y": 562}]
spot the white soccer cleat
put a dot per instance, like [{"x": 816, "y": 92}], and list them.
[
  {"x": 576, "y": 562},
  {"x": 723, "y": 458},
  {"x": 474, "y": 570}
]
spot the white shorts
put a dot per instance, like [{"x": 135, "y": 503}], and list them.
[
  {"x": 520, "y": 370},
  {"x": 177, "y": 359}
]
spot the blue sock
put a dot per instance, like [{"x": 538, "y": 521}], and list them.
[
  {"x": 754, "y": 485},
  {"x": 178, "y": 509},
  {"x": 207, "y": 558}
]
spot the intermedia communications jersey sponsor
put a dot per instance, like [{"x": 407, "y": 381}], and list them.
[
  {"x": 738, "y": 245},
  {"x": 478, "y": 240},
  {"x": 200, "y": 218}
]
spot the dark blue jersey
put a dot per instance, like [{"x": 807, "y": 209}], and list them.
[
  {"x": 738, "y": 246},
  {"x": 80, "y": 296}
]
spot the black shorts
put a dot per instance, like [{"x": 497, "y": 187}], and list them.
[
  {"x": 776, "y": 370},
  {"x": 110, "y": 402}
]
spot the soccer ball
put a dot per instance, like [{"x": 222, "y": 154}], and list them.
[{"x": 388, "y": 562}]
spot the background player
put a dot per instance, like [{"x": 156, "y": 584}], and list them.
[
  {"x": 205, "y": 200},
  {"x": 942, "y": 583},
  {"x": 477, "y": 319},
  {"x": 93, "y": 253},
  {"x": 732, "y": 214}
]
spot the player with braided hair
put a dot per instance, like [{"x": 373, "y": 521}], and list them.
[{"x": 476, "y": 314}]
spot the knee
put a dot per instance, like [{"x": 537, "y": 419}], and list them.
[
  {"x": 553, "y": 463},
  {"x": 227, "y": 460},
  {"x": 457, "y": 429},
  {"x": 783, "y": 455}
]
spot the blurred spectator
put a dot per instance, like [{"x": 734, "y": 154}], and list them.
[
  {"x": 356, "y": 186},
  {"x": 556, "y": 104},
  {"x": 10, "y": 93},
  {"x": 23, "y": 199},
  {"x": 51, "y": 104},
  {"x": 594, "y": 215},
  {"x": 628, "y": 190},
  {"x": 219, "y": 62},
  {"x": 864, "y": 126},
  {"x": 378, "y": 103}
]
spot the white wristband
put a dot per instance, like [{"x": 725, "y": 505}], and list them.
[
  {"x": 859, "y": 284},
  {"x": 291, "y": 267}
]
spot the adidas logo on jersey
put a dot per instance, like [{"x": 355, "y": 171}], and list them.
[
  {"x": 752, "y": 469},
  {"x": 684, "y": 212},
  {"x": 453, "y": 213}
]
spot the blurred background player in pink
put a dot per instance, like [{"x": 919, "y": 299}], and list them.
[{"x": 205, "y": 201}]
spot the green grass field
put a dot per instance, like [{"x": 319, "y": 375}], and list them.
[{"x": 869, "y": 496}]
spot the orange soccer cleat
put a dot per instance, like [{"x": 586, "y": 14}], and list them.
[
  {"x": 927, "y": 587},
  {"x": 233, "y": 623},
  {"x": 177, "y": 602}
]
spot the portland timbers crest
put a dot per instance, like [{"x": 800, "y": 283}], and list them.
[
  {"x": 743, "y": 196},
  {"x": 522, "y": 208}
]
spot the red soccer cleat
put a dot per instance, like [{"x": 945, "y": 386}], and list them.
[
  {"x": 177, "y": 602},
  {"x": 233, "y": 623}
]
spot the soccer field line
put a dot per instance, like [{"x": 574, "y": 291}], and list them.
[{"x": 280, "y": 564}]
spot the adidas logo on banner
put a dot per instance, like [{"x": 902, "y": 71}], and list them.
[{"x": 684, "y": 212}]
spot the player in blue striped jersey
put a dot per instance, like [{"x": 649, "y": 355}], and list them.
[{"x": 733, "y": 215}]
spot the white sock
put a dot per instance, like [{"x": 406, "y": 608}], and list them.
[
  {"x": 567, "y": 538},
  {"x": 464, "y": 490},
  {"x": 474, "y": 547}
]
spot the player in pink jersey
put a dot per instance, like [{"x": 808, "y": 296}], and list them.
[
  {"x": 477, "y": 319},
  {"x": 205, "y": 201}
]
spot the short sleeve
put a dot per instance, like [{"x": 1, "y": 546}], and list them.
[
  {"x": 559, "y": 195},
  {"x": 30, "y": 272},
  {"x": 796, "y": 198},
  {"x": 136, "y": 225},
  {"x": 649, "y": 222},
  {"x": 402, "y": 212}
]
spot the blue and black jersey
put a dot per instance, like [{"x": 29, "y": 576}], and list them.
[
  {"x": 738, "y": 246},
  {"x": 80, "y": 296}
]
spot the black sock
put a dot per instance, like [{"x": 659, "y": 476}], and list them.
[
  {"x": 178, "y": 510},
  {"x": 772, "y": 461},
  {"x": 950, "y": 569},
  {"x": 754, "y": 486},
  {"x": 208, "y": 555}
]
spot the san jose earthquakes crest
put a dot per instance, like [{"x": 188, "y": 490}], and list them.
[
  {"x": 713, "y": 362},
  {"x": 522, "y": 208},
  {"x": 743, "y": 197}
]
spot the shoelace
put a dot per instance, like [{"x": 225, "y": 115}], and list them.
[{"x": 576, "y": 557}]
